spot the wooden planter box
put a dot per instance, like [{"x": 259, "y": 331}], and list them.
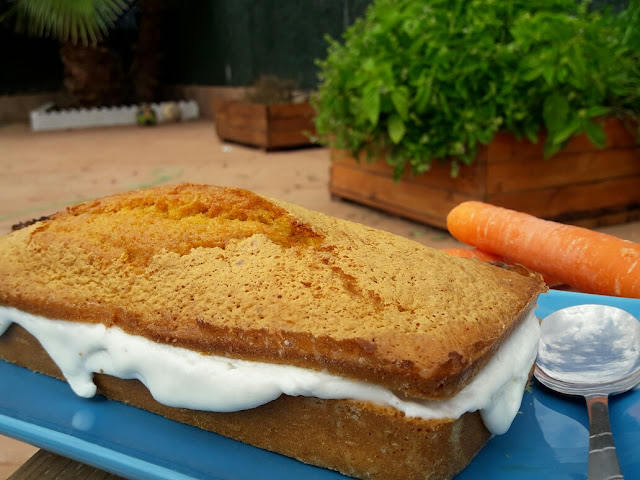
[
  {"x": 581, "y": 185},
  {"x": 266, "y": 126}
]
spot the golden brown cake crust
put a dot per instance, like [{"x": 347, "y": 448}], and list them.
[
  {"x": 227, "y": 272},
  {"x": 358, "y": 439}
]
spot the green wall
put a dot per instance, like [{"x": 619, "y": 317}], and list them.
[
  {"x": 28, "y": 65},
  {"x": 233, "y": 42}
]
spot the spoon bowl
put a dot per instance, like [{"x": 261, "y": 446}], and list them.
[{"x": 591, "y": 351}]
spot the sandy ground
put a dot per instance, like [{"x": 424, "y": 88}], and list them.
[{"x": 41, "y": 173}]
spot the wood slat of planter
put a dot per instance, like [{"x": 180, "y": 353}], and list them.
[
  {"x": 523, "y": 174},
  {"x": 600, "y": 218},
  {"x": 289, "y": 125},
  {"x": 412, "y": 199},
  {"x": 238, "y": 114},
  {"x": 471, "y": 179},
  {"x": 287, "y": 140},
  {"x": 578, "y": 200},
  {"x": 505, "y": 147},
  {"x": 265, "y": 126},
  {"x": 291, "y": 110},
  {"x": 241, "y": 122}
]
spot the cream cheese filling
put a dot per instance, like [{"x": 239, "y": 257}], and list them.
[{"x": 178, "y": 377}]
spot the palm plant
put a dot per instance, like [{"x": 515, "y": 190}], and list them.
[
  {"x": 94, "y": 73},
  {"x": 84, "y": 21}
]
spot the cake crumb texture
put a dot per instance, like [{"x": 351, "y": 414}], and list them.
[{"x": 227, "y": 272}]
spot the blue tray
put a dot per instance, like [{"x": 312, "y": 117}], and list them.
[{"x": 548, "y": 439}]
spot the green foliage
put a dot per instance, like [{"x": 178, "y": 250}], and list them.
[
  {"x": 85, "y": 21},
  {"x": 434, "y": 79}
]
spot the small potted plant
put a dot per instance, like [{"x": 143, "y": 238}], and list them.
[
  {"x": 272, "y": 116},
  {"x": 507, "y": 102}
]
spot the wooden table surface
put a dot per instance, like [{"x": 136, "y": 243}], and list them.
[{"x": 49, "y": 466}]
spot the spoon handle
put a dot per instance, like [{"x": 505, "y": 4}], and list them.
[{"x": 603, "y": 460}]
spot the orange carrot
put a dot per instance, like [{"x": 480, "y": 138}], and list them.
[
  {"x": 490, "y": 257},
  {"x": 589, "y": 261}
]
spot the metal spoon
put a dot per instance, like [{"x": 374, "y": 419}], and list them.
[{"x": 591, "y": 351}]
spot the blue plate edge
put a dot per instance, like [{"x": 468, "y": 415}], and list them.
[{"x": 76, "y": 448}]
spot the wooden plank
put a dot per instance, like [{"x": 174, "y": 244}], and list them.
[
  {"x": 241, "y": 122},
  {"x": 394, "y": 209},
  {"x": 423, "y": 203},
  {"x": 505, "y": 147},
  {"x": 239, "y": 109},
  {"x": 470, "y": 180},
  {"x": 573, "y": 200},
  {"x": 597, "y": 220},
  {"x": 287, "y": 138},
  {"x": 246, "y": 136},
  {"x": 291, "y": 124},
  {"x": 567, "y": 168},
  {"x": 45, "y": 465},
  {"x": 289, "y": 110},
  {"x": 290, "y": 132},
  {"x": 241, "y": 114},
  {"x": 288, "y": 124}
]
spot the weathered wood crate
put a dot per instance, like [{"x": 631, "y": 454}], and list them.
[
  {"x": 581, "y": 185},
  {"x": 266, "y": 126}
]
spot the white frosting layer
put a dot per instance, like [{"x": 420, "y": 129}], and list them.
[{"x": 179, "y": 377}]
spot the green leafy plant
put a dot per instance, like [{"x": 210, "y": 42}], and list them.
[{"x": 433, "y": 79}]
